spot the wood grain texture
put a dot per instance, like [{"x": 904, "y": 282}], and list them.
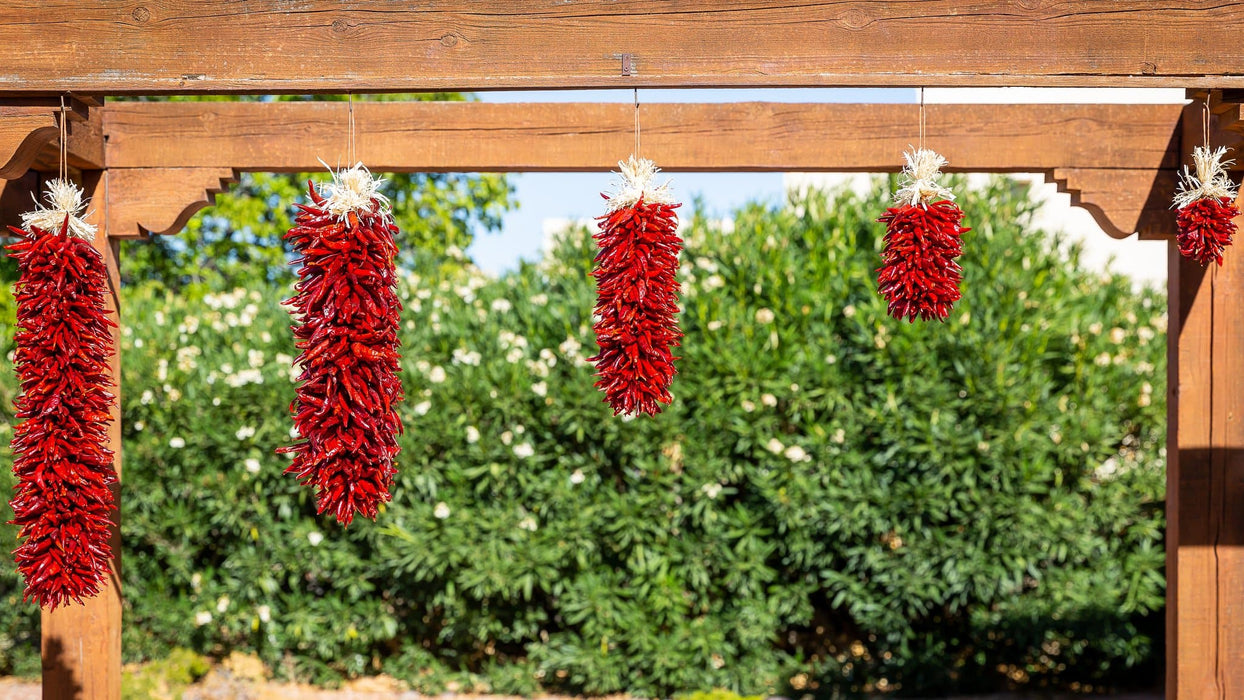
[
  {"x": 29, "y": 139},
  {"x": 15, "y": 198},
  {"x": 749, "y": 136},
  {"x": 1122, "y": 201},
  {"x": 267, "y": 46},
  {"x": 160, "y": 200},
  {"x": 82, "y": 643},
  {"x": 1205, "y": 474}
]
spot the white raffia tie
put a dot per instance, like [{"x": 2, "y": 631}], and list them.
[
  {"x": 353, "y": 190},
  {"x": 64, "y": 203},
  {"x": 1210, "y": 181},
  {"x": 636, "y": 183},
  {"x": 918, "y": 181}
]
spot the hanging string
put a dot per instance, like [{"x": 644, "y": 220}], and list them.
[
  {"x": 1205, "y": 121},
  {"x": 64, "y": 138},
  {"x": 922, "y": 117},
  {"x": 636, "y": 122},
  {"x": 350, "y": 154}
]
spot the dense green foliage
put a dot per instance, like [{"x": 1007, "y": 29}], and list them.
[{"x": 835, "y": 502}]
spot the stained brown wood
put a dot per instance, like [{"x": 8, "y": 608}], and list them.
[
  {"x": 1122, "y": 201},
  {"x": 82, "y": 643},
  {"x": 29, "y": 138},
  {"x": 16, "y": 197},
  {"x": 267, "y": 46},
  {"x": 1205, "y": 475},
  {"x": 160, "y": 200},
  {"x": 754, "y": 136}
]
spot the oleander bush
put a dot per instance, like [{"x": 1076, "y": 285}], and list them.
[{"x": 836, "y": 502}]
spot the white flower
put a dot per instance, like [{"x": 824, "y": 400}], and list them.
[
  {"x": 138, "y": 342},
  {"x": 1102, "y": 360},
  {"x": 540, "y": 299},
  {"x": 246, "y": 376},
  {"x": 576, "y": 477},
  {"x": 252, "y": 465},
  {"x": 254, "y": 358},
  {"x": 462, "y": 356},
  {"x": 769, "y": 400},
  {"x": 441, "y": 511},
  {"x": 472, "y": 434},
  {"x": 765, "y": 316},
  {"x": 1117, "y": 335},
  {"x": 840, "y": 436},
  {"x": 293, "y": 432},
  {"x": 507, "y": 437},
  {"x": 162, "y": 369},
  {"x": 147, "y": 397},
  {"x": 716, "y": 282},
  {"x": 315, "y": 538},
  {"x": 283, "y": 359},
  {"x": 795, "y": 453},
  {"x": 831, "y": 359},
  {"x": 514, "y": 355},
  {"x": 711, "y": 490},
  {"x": 422, "y": 408},
  {"x": 159, "y": 318},
  {"x": 201, "y": 618},
  {"x": 222, "y": 604},
  {"x": 848, "y": 311},
  {"x": 265, "y": 337},
  {"x": 196, "y": 580},
  {"x": 715, "y": 325},
  {"x": 549, "y": 357},
  {"x": 570, "y": 347},
  {"x": 437, "y": 375},
  {"x": 775, "y": 446},
  {"x": 748, "y": 406},
  {"x": 139, "y": 425},
  {"x": 501, "y": 305},
  {"x": 245, "y": 432},
  {"x": 540, "y": 389},
  {"x": 528, "y": 523},
  {"x": 524, "y": 450},
  {"x": 177, "y": 443},
  {"x": 1095, "y": 329},
  {"x": 264, "y": 613}
]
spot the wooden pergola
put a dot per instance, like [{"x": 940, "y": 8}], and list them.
[{"x": 150, "y": 166}]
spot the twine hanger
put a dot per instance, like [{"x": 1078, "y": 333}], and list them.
[{"x": 636, "y": 122}]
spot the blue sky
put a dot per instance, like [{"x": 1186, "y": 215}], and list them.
[{"x": 543, "y": 196}]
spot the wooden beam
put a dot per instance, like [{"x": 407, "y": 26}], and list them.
[
  {"x": 82, "y": 643},
  {"x": 1205, "y": 474},
  {"x": 1118, "y": 161},
  {"x": 749, "y": 136},
  {"x": 29, "y": 138},
  {"x": 270, "y": 46}
]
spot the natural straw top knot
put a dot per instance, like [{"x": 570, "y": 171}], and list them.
[
  {"x": 1210, "y": 181},
  {"x": 636, "y": 184},
  {"x": 354, "y": 190},
  {"x": 918, "y": 180},
  {"x": 64, "y": 203}
]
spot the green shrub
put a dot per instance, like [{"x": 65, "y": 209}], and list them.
[{"x": 835, "y": 502}]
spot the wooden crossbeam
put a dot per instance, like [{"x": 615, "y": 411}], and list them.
[
  {"x": 270, "y": 46},
  {"x": 1118, "y": 161}
]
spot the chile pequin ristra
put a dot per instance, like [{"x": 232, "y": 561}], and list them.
[
  {"x": 919, "y": 277},
  {"x": 346, "y": 312},
  {"x": 637, "y": 292},
  {"x": 1206, "y": 202},
  {"x": 63, "y": 501}
]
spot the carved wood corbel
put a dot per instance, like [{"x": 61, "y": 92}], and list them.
[{"x": 160, "y": 201}]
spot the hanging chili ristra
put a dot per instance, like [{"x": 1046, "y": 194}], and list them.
[
  {"x": 346, "y": 321},
  {"x": 63, "y": 500},
  {"x": 919, "y": 277},
  {"x": 637, "y": 292},
  {"x": 1207, "y": 210}
]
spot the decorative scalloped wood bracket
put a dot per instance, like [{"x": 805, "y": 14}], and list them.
[
  {"x": 160, "y": 201},
  {"x": 1122, "y": 202}
]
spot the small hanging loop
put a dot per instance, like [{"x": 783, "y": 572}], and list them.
[{"x": 636, "y": 122}]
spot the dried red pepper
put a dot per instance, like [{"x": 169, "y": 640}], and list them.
[
  {"x": 637, "y": 293},
  {"x": 919, "y": 277},
  {"x": 63, "y": 500},
  {"x": 346, "y": 321},
  {"x": 1207, "y": 210}
]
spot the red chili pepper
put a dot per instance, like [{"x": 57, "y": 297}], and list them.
[
  {"x": 1205, "y": 229},
  {"x": 637, "y": 305},
  {"x": 918, "y": 275},
  {"x": 63, "y": 501},
  {"x": 346, "y": 322}
]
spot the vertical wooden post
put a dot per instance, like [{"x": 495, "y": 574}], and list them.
[
  {"x": 1205, "y": 472},
  {"x": 82, "y": 643}
]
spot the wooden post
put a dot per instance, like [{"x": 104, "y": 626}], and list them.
[
  {"x": 82, "y": 643},
  {"x": 1205, "y": 472}
]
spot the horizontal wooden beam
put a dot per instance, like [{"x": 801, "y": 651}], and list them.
[
  {"x": 272, "y": 46},
  {"x": 755, "y": 136}
]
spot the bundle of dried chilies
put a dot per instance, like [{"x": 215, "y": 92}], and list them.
[
  {"x": 346, "y": 313},
  {"x": 1207, "y": 210},
  {"x": 919, "y": 277},
  {"x": 637, "y": 292},
  {"x": 63, "y": 500}
]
